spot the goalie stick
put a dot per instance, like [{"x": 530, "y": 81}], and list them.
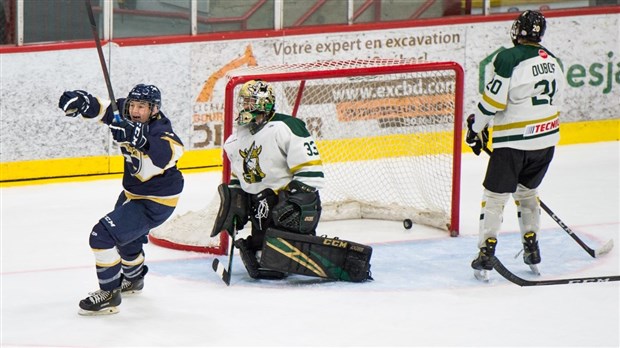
[
  {"x": 594, "y": 253},
  {"x": 224, "y": 273},
  {"x": 106, "y": 75},
  {"x": 504, "y": 272}
]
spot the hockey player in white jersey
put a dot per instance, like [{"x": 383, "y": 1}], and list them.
[
  {"x": 276, "y": 168},
  {"x": 522, "y": 100},
  {"x": 276, "y": 176}
]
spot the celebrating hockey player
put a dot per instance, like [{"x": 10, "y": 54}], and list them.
[
  {"x": 152, "y": 185},
  {"x": 276, "y": 176},
  {"x": 523, "y": 99}
]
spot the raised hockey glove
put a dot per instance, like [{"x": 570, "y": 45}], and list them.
[
  {"x": 476, "y": 141},
  {"x": 298, "y": 209},
  {"x": 78, "y": 102},
  {"x": 130, "y": 132}
]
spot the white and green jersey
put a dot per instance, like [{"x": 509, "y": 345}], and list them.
[
  {"x": 283, "y": 150},
  {"x": 523, "y": 99}
]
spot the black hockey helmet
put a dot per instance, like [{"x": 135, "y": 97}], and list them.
[
  {"x": 530, "y": 25},
  {"x": 143, "y": 93}
]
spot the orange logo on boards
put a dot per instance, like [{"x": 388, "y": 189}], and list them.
[
  {"x": 207, "y": 89},
  {"x": 208, "y": 116}
]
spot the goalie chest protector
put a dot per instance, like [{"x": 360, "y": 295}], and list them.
[{"x": 309, "y": 255}]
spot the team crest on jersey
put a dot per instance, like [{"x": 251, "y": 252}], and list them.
[
  {"x": 251, "y": 165},
  {"x": 133, "y": 157}
]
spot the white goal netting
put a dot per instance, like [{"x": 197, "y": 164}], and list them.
[{"x": 388, "y": 131}]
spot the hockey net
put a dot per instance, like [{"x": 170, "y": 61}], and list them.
[{"x": 388, "y": 132}]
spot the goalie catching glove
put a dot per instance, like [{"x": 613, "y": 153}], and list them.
[
  {"x": 233, "y": 212},
  {"x": 477, "y": 141},
  {"x": 298, "y": 209}
]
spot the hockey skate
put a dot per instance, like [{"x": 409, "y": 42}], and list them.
[
  {"x": 134, "y": 286},
  {"x": 101, "y": 302},
  {"x": 531, "y": 252},
  {"x": 483, "y": 263}
]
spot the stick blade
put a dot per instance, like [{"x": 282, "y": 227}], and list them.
[
  {"x": 604, "y": 249},
  {"x": 221, "y": 271},
  {"x": 215, "y": 265}
]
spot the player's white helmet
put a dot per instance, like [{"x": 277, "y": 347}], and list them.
[
  {"x": 255, "y": 98},
  {"x": 530, "y": 25}
]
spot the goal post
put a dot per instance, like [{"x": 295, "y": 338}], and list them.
[
  {"x": 389, "y": 133},
  {"x": 396, "y": 91}
]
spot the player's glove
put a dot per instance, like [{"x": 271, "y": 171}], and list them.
[
  {"x": 298, "y": 209},
  {"x": 77, "y": 102},
  {"x": 476, "y": 141},
  {"x": 130, "y": 132},
  {"x": 233, "y": 212}
]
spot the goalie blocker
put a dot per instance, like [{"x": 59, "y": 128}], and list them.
[{"x": 309, "y": 255}]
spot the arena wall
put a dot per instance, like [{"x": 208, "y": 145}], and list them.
[{"x": 38, "y": 142}]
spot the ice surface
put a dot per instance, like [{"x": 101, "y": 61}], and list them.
[{"x": 424, "y": 292}]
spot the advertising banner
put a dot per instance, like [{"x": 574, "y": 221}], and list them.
[{"x": 191, "y": 77}]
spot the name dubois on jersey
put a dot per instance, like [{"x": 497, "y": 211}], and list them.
[
  {"x": 543, "y": 68},
  {"x": 541, "y": 128}
]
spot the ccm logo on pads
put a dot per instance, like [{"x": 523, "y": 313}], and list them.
[{"x": 541, "y": 128}]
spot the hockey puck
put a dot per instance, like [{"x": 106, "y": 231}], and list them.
[{"x": 407, "y": 223}]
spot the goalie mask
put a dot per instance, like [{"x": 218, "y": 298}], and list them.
[
  {"x": 256, "y": 98},
  {"x": 530, "y": 25},
  {"x": 142, "y": 93}
]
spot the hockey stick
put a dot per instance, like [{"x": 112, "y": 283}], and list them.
[
  {"x": 224, "y": 273},
  {"x": 106, "y": 75},
  {"x": 594, "y": 253},
  {"x": 504, "y": 272}
]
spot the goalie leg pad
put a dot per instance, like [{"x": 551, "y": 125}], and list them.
[
  {"x": 314, "y": 256},
  {"x": 248, "y": 256}
]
